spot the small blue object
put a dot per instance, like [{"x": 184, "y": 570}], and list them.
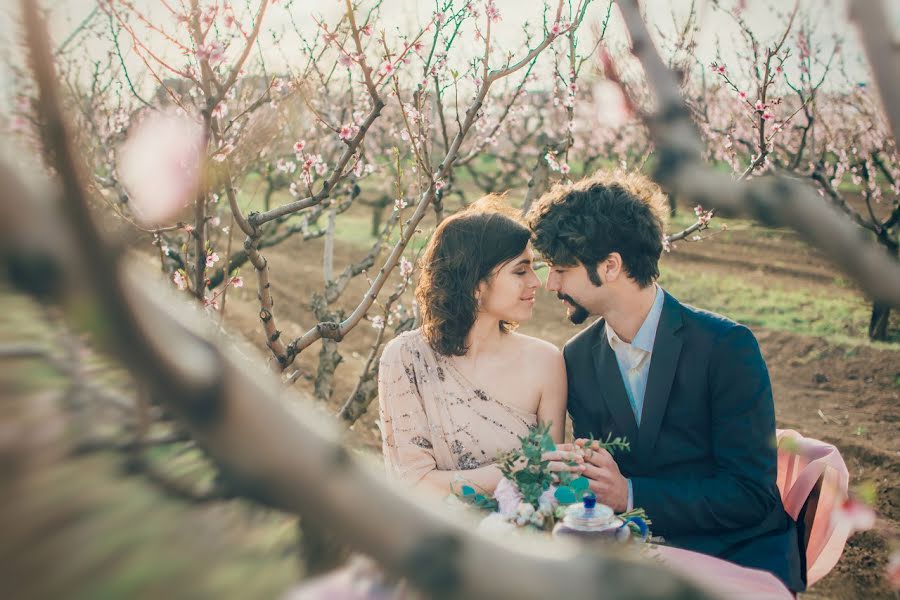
[
  {"x": 641, "y": 525},
  {"x": 590, "y": 500}
]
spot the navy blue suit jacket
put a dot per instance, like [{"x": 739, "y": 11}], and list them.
[{"x": 703, "y": 461}]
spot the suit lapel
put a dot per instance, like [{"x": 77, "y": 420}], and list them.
[
  {"x": 663, "y": 363},
  {"x": 612, "y": 388}
]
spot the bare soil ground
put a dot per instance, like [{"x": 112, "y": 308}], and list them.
[{"x": 846, "y": 392}]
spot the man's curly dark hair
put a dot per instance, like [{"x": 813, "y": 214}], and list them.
[
  {"x": 464, "y": 250},
  {"x": 586, "y": 221}
]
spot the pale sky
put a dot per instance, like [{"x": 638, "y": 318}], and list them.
[{"x": 715, "y": 27}]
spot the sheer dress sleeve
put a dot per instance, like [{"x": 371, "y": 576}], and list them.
[{"x": 406, "y": 435}]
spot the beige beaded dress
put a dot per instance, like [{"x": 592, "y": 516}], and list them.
[{"x": 433, "y": 417}]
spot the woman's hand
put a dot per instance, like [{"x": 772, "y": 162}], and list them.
[{"x": 562, "y": 456}]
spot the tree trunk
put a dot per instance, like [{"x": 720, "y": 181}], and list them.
[
  {"x": 878, "y": 324},
  {"x": 881, "y": 312}
]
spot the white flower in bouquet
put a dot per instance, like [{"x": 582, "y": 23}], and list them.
[
  {"x": 508, "y": 497},
  {"x": 524, "y": 514},
  {"x": 547, "y": 503}
]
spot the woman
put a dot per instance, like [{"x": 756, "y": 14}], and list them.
[{"x": 464, "y": 387}]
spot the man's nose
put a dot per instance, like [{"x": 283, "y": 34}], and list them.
[{"x": 552, "y": 282}]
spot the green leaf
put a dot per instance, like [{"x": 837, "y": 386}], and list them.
[
  {"x": 580, "y": 485},
  {"x": 525, "y": 477},
  {"x": 565, "y": 495}
]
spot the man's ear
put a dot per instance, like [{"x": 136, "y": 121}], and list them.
[{"x": 612, "y": 267}]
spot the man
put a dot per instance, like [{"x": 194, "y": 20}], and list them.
[{"x": 687, "y": 388}]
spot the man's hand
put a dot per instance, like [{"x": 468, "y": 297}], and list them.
[{"x": 603, "y": 473}]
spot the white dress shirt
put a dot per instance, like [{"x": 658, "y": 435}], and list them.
[{"x": 634, "y": 362}]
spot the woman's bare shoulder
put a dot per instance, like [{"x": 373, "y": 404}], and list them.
[{"x": 537, "y": 349}]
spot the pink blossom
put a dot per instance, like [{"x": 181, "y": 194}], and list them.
[
  {"x": 893, "y": 570},
  {"x": 180, "y": 280},
  {"x": 223, "y": 152},
  {"x": 345, "y": 133},
  {"x": 213, "y": 52},
  {"x": 367, "y": 30},
  {"x": 378, "y": 322},
  {"x": 742, "y": 95},
  {"x": 766, "y": 115},
  {"x": 440, "y": 17},
  {"x": 321, "y": 168},
  {"x": 220, "y": 111},
  {"x": 418, "y": 46},
  {"x": 18, "y": 124},
  {"x": 286, "y": 166},
  {"x": 211, "y": 259},
  {"x": 299, "y": 146},
  {"x": 856, "y": 515},
  {"x": 760, "y": 105},
  {"x": 439, "y": 184},
  {"x": 387, "y": 68},
  {"x": 345, "y": 60},
  {"x": 493, "y": 12},
  {"x": 400, "y": 204},
  {"x": 556, "y": 28},
  {"x": 160, "y": 165},
  {"x": 237, "y": 282},
  {"x": 564, "y": 168},
  {"x": 209, "y": 15},
  {"x": 406, "y": 267}
]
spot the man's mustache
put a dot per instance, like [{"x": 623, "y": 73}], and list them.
[{"x": 567, "y": 298}]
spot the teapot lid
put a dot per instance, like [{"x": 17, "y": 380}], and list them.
[{"x": 589, "y": 515}]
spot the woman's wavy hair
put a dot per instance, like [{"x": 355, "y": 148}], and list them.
[
  {"x": 586, "y": 221},
  {"x": 465, "y": 250}
]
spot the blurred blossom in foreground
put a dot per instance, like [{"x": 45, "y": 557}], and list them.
[
  {"x": 612, "y": 108},
  {"x": 160, "y": 165}
]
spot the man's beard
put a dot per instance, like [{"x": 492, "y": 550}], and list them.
[{"x": 580, "y": 314}]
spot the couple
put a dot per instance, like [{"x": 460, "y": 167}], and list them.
[{"x": 688, "y": 389}]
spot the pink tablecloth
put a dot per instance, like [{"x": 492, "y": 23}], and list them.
[
  {"x": 802, "y": 462},
  {"x": 722, "y": 578}
]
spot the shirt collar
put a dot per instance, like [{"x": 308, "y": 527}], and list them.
[{"x": 646, "y": 335}]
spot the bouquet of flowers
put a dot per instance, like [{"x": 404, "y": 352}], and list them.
[{"x": 530, "y": 494}]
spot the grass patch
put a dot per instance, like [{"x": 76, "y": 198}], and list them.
[{"x": 835, "y": 316}]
